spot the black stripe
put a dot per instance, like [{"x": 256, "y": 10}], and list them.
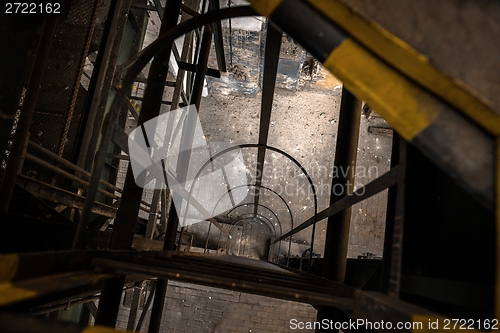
[
  {"x": 452, "y": 142},
  {"x": 313, "y": 31}
]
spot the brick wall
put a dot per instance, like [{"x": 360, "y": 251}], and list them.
[{"x": 193, "y": 308}]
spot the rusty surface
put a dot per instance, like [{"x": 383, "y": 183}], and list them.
[{"x": 459, "y": 37}]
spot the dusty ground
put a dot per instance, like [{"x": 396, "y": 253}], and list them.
[{"x": 304, "y": 124}]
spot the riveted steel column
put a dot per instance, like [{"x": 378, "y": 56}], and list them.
[{"x": 337, "y": 232}]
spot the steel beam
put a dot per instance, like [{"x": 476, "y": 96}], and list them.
[
  {"x": 54, "y": 194},
  {"x": 393, "y": 238},
  {"x": 27, "y": 112},
  {"x": 381, "y": 183},
  {"x": 186, "y": 53},
  {"x": 74, "y": 167},
  {"x": 153, "y": 214},
  {"x": 162, "y": 283},
  {"x": 337, "y": 231},
  {"x": 346, "y": 151},
  {"x": 124, "y": 226},
  {"x": 106, "y": 59},
  {"x": 218, "y": 40},
  {"x": 202, "y": 67},
  {"x": 146, "y": 307},
  {"x": 111, "y": 291},
  {"x": 134, "y": 308},
  {"x": 271, "y": 59}
]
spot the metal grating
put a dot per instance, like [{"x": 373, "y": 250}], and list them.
[{"x": 61, "y": 79}]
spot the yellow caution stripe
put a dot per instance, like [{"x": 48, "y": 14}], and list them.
[
  {"x": 412, "y": 64},
  {"x": 402, "y": 103},
  {"x": 389, "y": 48},
  {"x": 9, "y": 293},
  {"x": 9, "y": 264}
]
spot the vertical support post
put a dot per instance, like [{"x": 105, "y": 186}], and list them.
[
  {"x": 146, "y": 307},
  {"x": 185, "y": 55},
  {"x": 271, "y": 59},
  {"x": 202, "y": 67},
  {"x": 109, "y": 302},
  {"x": 173, "y": 221},
  {"x": 104, "y": 61},
  {"x": 161, "y": 284},
  {"x": 153, "y": 213},
  {"x": 218, "y": 40},
  {"x": 337, "y": 232},
  {"x": 119, "y": 11},
  {"x": 27, "y": 111},
  {"x": 165, "y": 198},
  {"x": 23, "y": 156},
  {"x": 123, "y": 232},
  {"x": 393, "y": 239},
  {"x": 134, "y": 308}
]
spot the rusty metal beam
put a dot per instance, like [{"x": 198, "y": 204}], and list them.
[
  {"x": 76, "y": 168},
  {"x": 381, "y": 183},
  {"x": 68, "y": 175},
  {"x": 338, "y": 227},
  {"x": 393, "y": 239},
  {"x": 54, "y": 194},
  {"x": 185, "y": 54},
  {"x": 126, "y": 217},
  {"x": 346, "y": 151},
  {"x": 218, "y": 40},
  {"x": 271, "y": 59},
  {"x": 134, "y": 308},
  {"x": 27, "y": 112},
  {"x": 21, "y": 35},
  {"x": 106, "y": 59}
]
